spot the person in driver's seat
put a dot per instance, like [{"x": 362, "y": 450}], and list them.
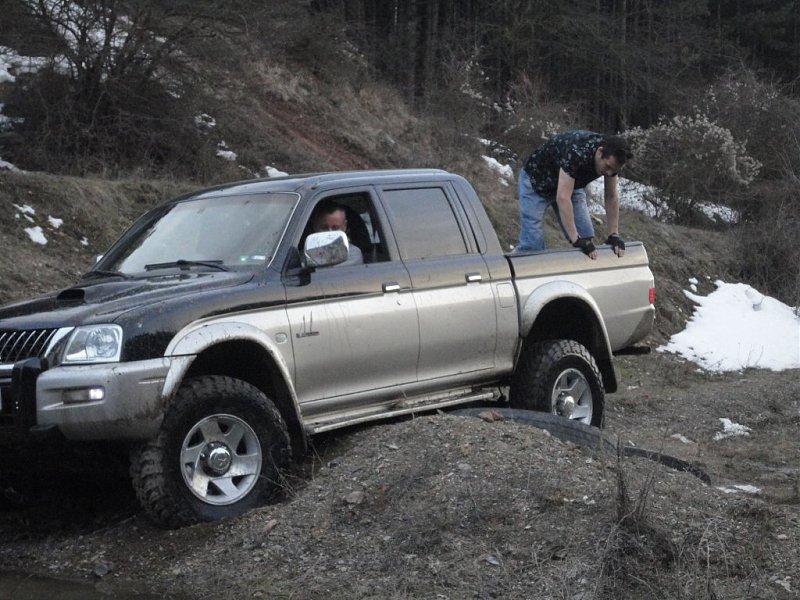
[{"x": 329, "y": 216}]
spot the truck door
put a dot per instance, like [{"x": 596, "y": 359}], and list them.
[
  {"x": 354, "y": 328},
  {"x": 452, "y": 287}
]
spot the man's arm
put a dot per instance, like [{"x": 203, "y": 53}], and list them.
[
  {"x": 611, "y": 198},
  {"x": 566, "y": 185}
]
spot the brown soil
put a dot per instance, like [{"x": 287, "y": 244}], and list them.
[{"x": 444, "y": 506}]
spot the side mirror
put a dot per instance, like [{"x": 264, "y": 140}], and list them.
[{"x": 326, "y": 248}]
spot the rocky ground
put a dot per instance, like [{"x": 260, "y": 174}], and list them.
[{"x": 443, "y": 506}]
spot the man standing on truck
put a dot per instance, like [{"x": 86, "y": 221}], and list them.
[{"x": 556, "y": 174}]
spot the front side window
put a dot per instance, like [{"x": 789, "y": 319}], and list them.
[
  {"x": 354, "y": 214},
  {"x": 229, "y": 231}
]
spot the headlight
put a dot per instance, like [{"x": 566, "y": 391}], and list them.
[{"x": 94, "y": 344}]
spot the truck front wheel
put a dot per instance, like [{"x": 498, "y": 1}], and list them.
[
  {"x": 220, "y": 452},
  {"x": 559, "y": 377}
]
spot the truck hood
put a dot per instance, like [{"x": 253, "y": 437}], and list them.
[{"x": 103, "y": 300}]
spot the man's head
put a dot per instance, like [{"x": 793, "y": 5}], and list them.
[
  {"x": 329, "y": 216},
  {"x": 611, "y": 155}
]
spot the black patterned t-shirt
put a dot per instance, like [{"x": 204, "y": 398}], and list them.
[{"x": 572, "y": 151}]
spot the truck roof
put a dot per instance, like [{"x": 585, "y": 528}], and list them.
[{"x": 295, "y": 183}]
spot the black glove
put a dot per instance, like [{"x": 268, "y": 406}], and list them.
[
  {"x": 585, "y": 244},
  {"x": 615, "y": 242}
]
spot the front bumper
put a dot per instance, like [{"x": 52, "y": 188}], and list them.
[{"x": 131, "y": 407}]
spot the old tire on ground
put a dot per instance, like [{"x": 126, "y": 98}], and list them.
[
  {"x": 220, "y": 452},
  {"x": 559, "y": 377},
  {"x": 592, "y": 439}
]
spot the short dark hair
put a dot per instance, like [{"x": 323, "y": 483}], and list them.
[
  {"x": 616, "y": 146},
  {"x": 327, "y": 207}
]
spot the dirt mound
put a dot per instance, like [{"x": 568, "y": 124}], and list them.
[{"x": 446, "y": 506}]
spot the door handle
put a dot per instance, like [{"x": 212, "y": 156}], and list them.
[
  {"x": 473, "y": 277},
  {"x": 391, "y": 286}
]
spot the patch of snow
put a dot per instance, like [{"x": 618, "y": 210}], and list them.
[
  {"x": 273, "y": 172},
  {"x": 766, "y": 335},
  {"x": 4, "y": 164},
  {"x": 756, "y": 298},
  {"x": 36, "y": 234},
  {"x": 785, "y": 583},
  {"x": 731, "y": 429},
  {"x": 504, "y": 170},
  {"x": 10, "y": 61},
  {"x": 632, "y": 195},
  {"x": 224, "y": 152},
  {"x": 681, "y": 438},
  {"x": 646, "y": 199},
  {"x": 735, "y": 489},
  {"x": 715, "y": 212},
  {"x": 54, "y": 222},
  {"x": 84, "y": 241},
  {"x": 25, "y": 209},
  {"x": 205, "y": 122}
]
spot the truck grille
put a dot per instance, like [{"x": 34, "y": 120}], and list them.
[{"x": 19, "y": 345}]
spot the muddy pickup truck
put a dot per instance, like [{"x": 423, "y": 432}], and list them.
[{"x": 221, "y": 331}]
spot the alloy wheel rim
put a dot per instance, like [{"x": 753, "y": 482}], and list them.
[{"x": 221, "y": 459}]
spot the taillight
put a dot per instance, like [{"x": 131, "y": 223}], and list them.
[{"x": 652, "y": 295}]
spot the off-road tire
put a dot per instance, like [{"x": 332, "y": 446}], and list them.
[
  {"x": 157, "y": 470},
  {"x": 545, "y": 365}
]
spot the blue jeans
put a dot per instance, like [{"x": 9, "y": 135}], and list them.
[{"x": 531, "y": 215}]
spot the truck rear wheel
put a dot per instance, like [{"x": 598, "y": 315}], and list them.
[
  {"x": 559, "y": 377},
  {"x": 220, "y": 452}
]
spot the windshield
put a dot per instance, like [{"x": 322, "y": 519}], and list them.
[{"x": 232, "y": 231}]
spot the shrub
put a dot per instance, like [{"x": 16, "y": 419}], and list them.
[
  {"x": 769, "y": 119},
  {"x": 766, "y": 243},
  {"x": 113, "y": 89},
  {"x": 691, "y": 159},
  {"x": 761, "y": 114}
]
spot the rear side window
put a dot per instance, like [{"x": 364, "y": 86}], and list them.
[{"x": 424, "y": 223}]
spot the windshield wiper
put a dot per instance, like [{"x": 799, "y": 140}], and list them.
[
  {"x": 185, "y": 264},
  {"x": 102, "y": 273}
]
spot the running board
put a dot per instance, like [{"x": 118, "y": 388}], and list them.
[{"x": 404, "y": 406}]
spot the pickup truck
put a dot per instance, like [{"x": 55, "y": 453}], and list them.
[{"x": 220, "y": 331}]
